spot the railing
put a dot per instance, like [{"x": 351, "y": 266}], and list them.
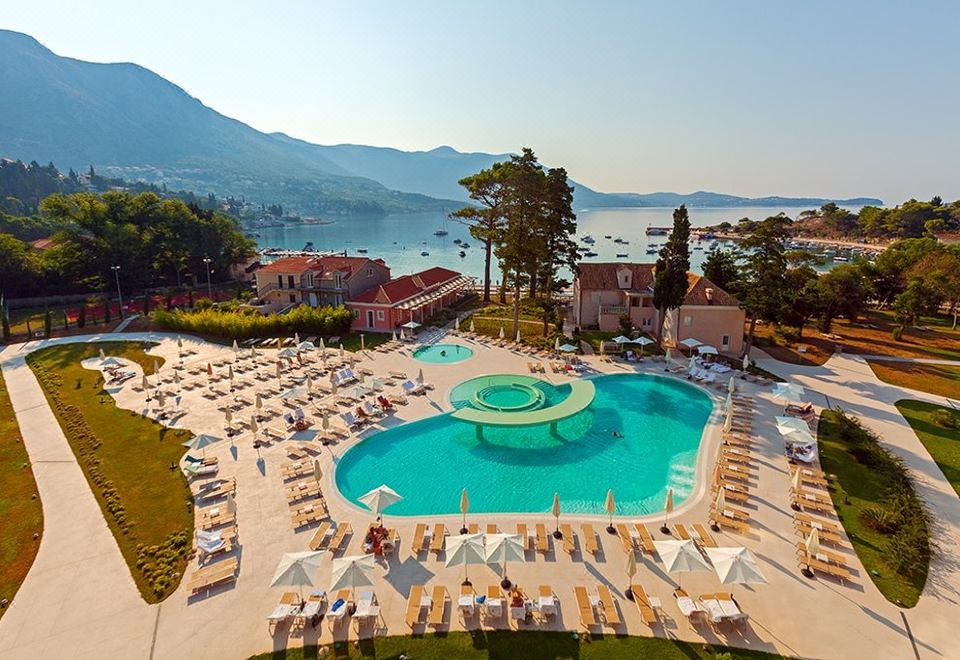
[{"x": 619, "y": 310}]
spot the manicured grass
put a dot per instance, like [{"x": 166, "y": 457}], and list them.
[
  {"x": 490, "y": 319},
  {"x": 594, "y": 337},
  {"x": 126, "y": 459},
  {"x": 857, "y": 487},
  {"x": 511, "y": 645},
  {"x": 931, "y": 378},
  {"x": 351, "y": 342},
  {"x": 942, "y": 442},
  {"x": 21, "y": 514}
]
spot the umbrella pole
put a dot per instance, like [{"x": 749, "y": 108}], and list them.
[
  {"x": 505, "y": 582},
  {"x": 663, "y": 527},
  {"x": 557, "y": 534},
  {"x": 610, "y": 528}
]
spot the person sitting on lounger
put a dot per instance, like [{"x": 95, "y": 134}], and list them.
[
  {"x": 360, "y": 414},
  {"x": 516, "y": 597},
  {"x": 384, "y": 403}
]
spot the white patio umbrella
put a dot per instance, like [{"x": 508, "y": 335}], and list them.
[
  {"x": 201, "y": 442},
  {"x": 631, "y": 571},
  {"x": 555, "y": 510},
  {"x": 621, "y": 339},
  {"x": 705, "y": 349},
  {"x": 643, "y": 341},
  {"x": 667, "y": 510},
  {"x": 306, "y": 346},
  {"x": 109, "y": 362},
  {"x": 352, "y": 572},
  {"x": 610, "y": 506},
  {"x": 380, "y": 498},
  {"x": 472, "y": 328},
  {"x": 735, "y": 565},
  {"x": 690, "y": 342},
  {"x": 463, "y": 550},
  {"x": 410, "y": 325},
  {"x": 502, "y": 333},
  {"x": 504, "y": 548},
  {"x": 568, "y": 348},
  {"x": 787, "y": 425},
  {"x": 464, "y": 509},
  {"x": 288, "y": 352},
  {"x": 680, "y": 556},
  {"x": 800, "y": 438},
  {"x": 789, "y": 392}
]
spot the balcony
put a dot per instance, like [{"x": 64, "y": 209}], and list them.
[{"x": 617, "y": 310}]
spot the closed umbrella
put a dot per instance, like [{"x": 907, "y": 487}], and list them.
[
  {"x": 209, "y": 369},
  {"x": 680, "y": 556},
  {"x": 464, "y": 508},
  {"x": 393, "y": 335},
  {"x": 236, "y": 347},
  {"x": 104, "y": 357},
  {"x": 667, "y": 360},
  {"x": 176, "y": 379},
  {"x": 728, "y": 402},
  {"x": 555, "y": 510},
  {"x": 472, "y": 328},
  {"x": 502, "y": 333},
  {"x": 797, "y": 480},
  {"x": 341, "y": 351},
  {"x": 323, "y": 346},
  {"x": 361, "y": 343},
  {"x": 279, "y": 370},
  {"x": 325, "y": 421},
  {"x": 463, "y": 550},
  {"x": 456, "y": 324},
  {"x": 227, "y": 417},
  {"x": 667, "y": 510},
  {"x": 160, "y": 401},
  {"x": 518, "y": 336},
  {"x": 317, "y": 472},
  {"x": 735, "y": 566},
  {"x": 556, "y": 344},
  {"x": 728, "y": 421},
  {"x": 504, "y": 548},
  {"x": 746, "y": 362},
  {"x": 254, "y": 428},
  {"x": 691, "y": 363},
  {"x": 297, "y": 569},
  {"x": 812, "y": 543},
  {"x": 145, "y": 384},
  {"x": 258, "y": 403},
  {"x": 231, "y": 504},
  {"x": 230, "y": 375},
  {"x": 420, "y": 377},
  {"x": 352, "y": 572},
  {"x": 380, "y": 498},
  {"x": 631, "y": 571},
  {"x": 718, "y": 507},
  {"x": 309, "y": 384},
  {"x": 610, "y": 506},
  {"x": 731, "y": 385},
  {"x": 296, "y": 338}
]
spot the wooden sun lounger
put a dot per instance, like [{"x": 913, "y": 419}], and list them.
[
  {"x": 543, "y": 544},
  {"x": 214, "y": 574},
  {"x": 208, "y": 522},
  {"x": 682, "y": 532},
  {"x": 737, "y": 475},
  {"x": 310, "y": 513},
  {"x": 735, "y": 493},
  {"x": 522, "y": 531},
  {"x": 590, "y": 539},
  {"x": 438, "y": 605},
  {"x": 569, "y": 539},
  {"x": 611, "y": 615},
  {"x": 812, "y": 480},
  {"x": 646, "y": 541},
  {"x": 320, "y": 537},
  {"x": 437, "y": 540},
  {"x": 303, "y": 491},
  {"x": 473, "y": 528},
  {"x": 647, "y": 613},
  {"x": 831, "y": 557},
  {"x": 826, "y": 535},
  {"x": 492, "y": 528},
  {"x": 419, "y": 533},
  {"x": 625, "y": 538},
  {"x": 343, "y": 530},
  {"x": 834, "y": 570},
  {"x": 734, "y": 457},
  {"x": 741, "y": 526},
  {"x": 585, "y": 607},
  {"x": 705, "y": 538},
  {"x": 414, "y": 605}
]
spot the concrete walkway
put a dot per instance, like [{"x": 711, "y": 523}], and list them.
[{"x": 79, "y": 594}]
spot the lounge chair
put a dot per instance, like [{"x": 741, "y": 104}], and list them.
[
  {"x": 585, "y": 607},
  {"x": 214, "y": 575},
  {"x": 647, "y": 614},
  {"x": 340, "y": 606},
  {"x": 343, "y": 530},
  {"x": 590, "y": 539},
  {"x": 419, "y": 534},
  {"x": 437, "y": 539},
  {"x": 625, "y": 538},
  {"x": 368, "y": 608},
  {"x": 415, "y": 603},
  {"x": 409, "y": 387},
  {"x": 542, "y": 541},
  {"x": 611, "y": 615},
  {"x": 312, "y": 609},
  {"x": 569, "y": 539},
  {"x": 286, "y": 609},
  {"x": 467, "y": 602},
  {"x": 321, "y": 536},
  {"x": 703, "y": 536},
  {"x": 493, "y": 605},
  {"x": 682, "y": 532},
  {"x": 547, "y": 601},
  {"x": 646, "y": 541},
  {"x": 522, "y": 531},
  {"x": 438, "y": 606},
  {"x": 690, "y": 608}
]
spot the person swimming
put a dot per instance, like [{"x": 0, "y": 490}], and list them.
[
  {"x": 617, "y": 434},
  {"x": 443, "y": 353}
]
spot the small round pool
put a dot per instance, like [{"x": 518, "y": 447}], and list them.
[
  {"x": 443, "y": 353},
  {"x": 508, "y": 397}
]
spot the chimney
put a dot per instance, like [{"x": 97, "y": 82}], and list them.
[{"x": 709, "y": 293}]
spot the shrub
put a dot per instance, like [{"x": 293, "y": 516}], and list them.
[
  {"x": 878, "y": 518},
  {"x": 897, "y": 333},
  {"x": 245, "y": 324},
  {"x": 626, "y": 325},
  {"x": 944, "y": 418},
  {"x": 82, "y": 316}
]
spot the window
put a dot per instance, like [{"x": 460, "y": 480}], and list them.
[
  {"x": 634, "y": 301},
  {"x": 595, "y": 297},
  {"x": 379, "y": 314},
  {"x": 338, "y": 282},
  {"x": 279, "y": 281},
  {"x": 725, "y": 341},
  {"x": 356, "y": 313},
  {"x": 369, "y": 272},
  {"x": 293, "y": 298},
  {"x": 290, "y": 282},
  {"x": 688, "y": 321}
]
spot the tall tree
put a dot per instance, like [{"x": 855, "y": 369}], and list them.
[
  {"x": 721, "y": 268},
  {"x": 559, "y": 224},
  {"x": 486, "y": 222},
  {"x": 670, "y": 278},
  {"x": 761, "y": 288}
]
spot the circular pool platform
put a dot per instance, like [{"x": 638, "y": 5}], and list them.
[
  {"x": 443, "y": 353},
  {"x": 509, "y": 397}
]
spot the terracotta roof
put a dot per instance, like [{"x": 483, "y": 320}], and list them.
[
  {"x": 318, "y": 263},
  {"x": 406, "y": 286},
  {"x": 290, "y": 265},
  {"x": 603, "y": 276}
]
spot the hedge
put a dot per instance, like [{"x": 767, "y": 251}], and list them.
[{"x": 247, "y": 324}]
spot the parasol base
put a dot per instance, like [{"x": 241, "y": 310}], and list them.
[
  {"x": 611, "y": 529},
  {"x": 506, "y": 584},
  {"x": 807, "y": 573},
  {"x": 664, "y": 529},
  {"x": 466, "y": 583},
  {"x": 628, "y": 592},
  {"x": 464, "y": 530},
  {"x": 557, "y": 534},
  {"x": 715, "y": 527}
]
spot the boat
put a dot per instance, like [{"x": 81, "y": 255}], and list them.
[
  {"x": 308, "y": 247},
  {"x": 362, "y": 250},
  {"x": 424, "y": 254},
  {"x": 622, "y": 255},
  {"x": 657, "y": 231},
  {"x": 607, "y": 236},
  {"x": 464, "y": 245},
  {"x": 651, "y": 250},
  {"x": 457, "y": 241},
  {"x": 441, "y": 232},
  {"x": 462, "y": 253}
]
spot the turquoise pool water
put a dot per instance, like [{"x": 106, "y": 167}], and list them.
[
  {"x": 443, "y": 353},
  {"x": 639, "y": 436},
  {"x": 507, "y": 392}
]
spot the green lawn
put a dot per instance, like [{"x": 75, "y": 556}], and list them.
[
  {"x": 511, "y": 645},
  {"x": 351, "y": 342},
  {"x": 21, "y": 515},
  {"x": 943, "y": 443},
  {"x": 594, "y": 337},
  {"x": 126, "y": 459},
  {"x": 857, "y": 487}
]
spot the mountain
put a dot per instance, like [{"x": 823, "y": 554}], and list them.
[{"x": 129, "y": 122}]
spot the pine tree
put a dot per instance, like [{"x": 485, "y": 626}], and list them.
[{"x": 670, "y": 279}]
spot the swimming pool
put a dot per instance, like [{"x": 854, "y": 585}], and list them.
[
  {"x": 639, "y": 436},
  {"x": 443, "y": 353}
]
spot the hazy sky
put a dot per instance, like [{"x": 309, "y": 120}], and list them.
[{"x": 753, "y": 98}]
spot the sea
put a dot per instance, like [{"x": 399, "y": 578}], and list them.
[{"x": 407, "y": 243}]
